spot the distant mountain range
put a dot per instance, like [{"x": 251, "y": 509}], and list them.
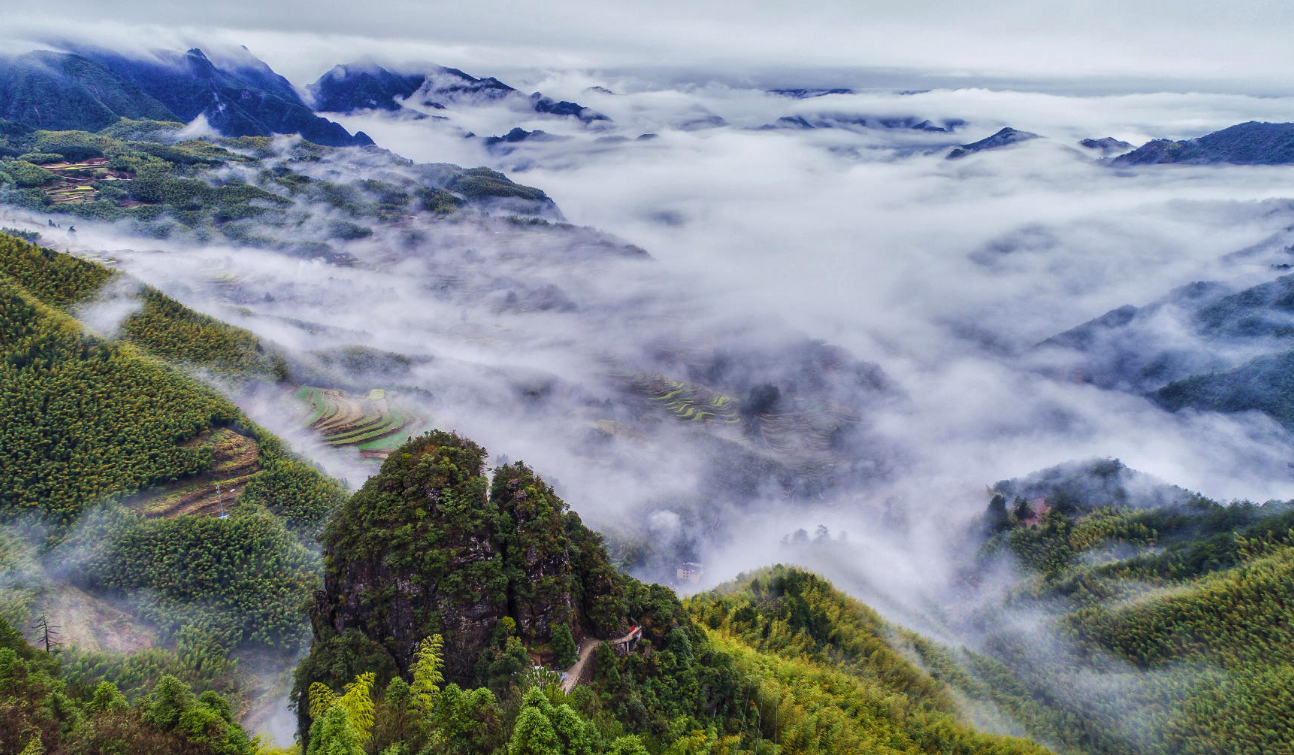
[
  {"x": 1252, "y": 143},
  {"x": 853, "y": 122},
  {"x": 1004, "y": 138},
  {"x": 801, "y": 93},
  {"x": 90, "y": 89},
  {"x": 365, "y": 86}
]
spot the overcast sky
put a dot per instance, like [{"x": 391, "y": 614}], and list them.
[{"x": 1179, "y": 44}]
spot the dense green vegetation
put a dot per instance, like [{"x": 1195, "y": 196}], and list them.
[
  {"x": 40, "y": 713},
  {"x": 1181, "y": 611},
  {"x": 809, "y": 671},
  {"x": 162, "y": 326},
  {"x": 89, "y": 418},
  {"x": 85, "y": 419},
  {"x": 240, "y": 580},
  {"x": 95, "y": 424},
  {"x": 829, "y": 678},
  {"x": 427, "y": 569},
  {"x": 246, "y": 190},
  {"x": 483, "y": 183}
]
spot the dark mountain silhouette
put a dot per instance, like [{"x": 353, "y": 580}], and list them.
[
  {"x": 366, "y": 86},
  {"x": 90, "y": 89},
  {"x": 58, "y": 91},
  {"x": 853, "y": 122},
  {"x": 347, "y": 89},
  {"x": 241, "y": 98},
  {"x": 1251, "y": 143},
  {"x": 800, "y": 93},
  {"x": 1004, "y": 138}
]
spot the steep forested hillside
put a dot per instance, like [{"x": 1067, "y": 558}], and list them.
[
  {"x": 91, "y": 418},
  {"x": 57, "y": 91},
  {"x": 432, "y": 579},
  {"x": 832, "y": 675},
  {"x": 1170, "y": 623},
  {"x": 99, "y": 429},
  {"x": 40, "y": 712}
]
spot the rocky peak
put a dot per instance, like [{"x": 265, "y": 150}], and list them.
[
  {"x": 1004, "y": 138},
  {"x": 422, "y": 549}
]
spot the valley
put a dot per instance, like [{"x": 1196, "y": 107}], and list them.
[{"x": 345, "y": 417}]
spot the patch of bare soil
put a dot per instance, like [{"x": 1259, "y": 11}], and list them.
[
  {"x": 234, "y": 462},
  {"x": 87, "y": 622}
]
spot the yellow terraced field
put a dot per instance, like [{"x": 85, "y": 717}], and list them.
[{"x": 687, "y": 401}]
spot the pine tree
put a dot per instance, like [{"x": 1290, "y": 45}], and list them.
[
  {"x": 563, "y": 646},
  {"x": 996, "y": 519}
]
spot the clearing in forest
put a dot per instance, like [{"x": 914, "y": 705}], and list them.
[
  {"x": 233, "y": 463},
  {"x": 89, "y": 623}
]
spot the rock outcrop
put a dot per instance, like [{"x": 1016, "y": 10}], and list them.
[{"x": 422, "y": 549}]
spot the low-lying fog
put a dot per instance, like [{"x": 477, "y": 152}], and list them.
[
  {"x": 938, "y": 270},
  {"x": 941, "y": 272}
]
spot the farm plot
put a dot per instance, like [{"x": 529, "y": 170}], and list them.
[
  {"x": 233, "y": 463},
  {"x": 801, "y": 437},
  {"x": 805, "y": 438},
  {"x": 368, "y": 423},
  {"x": 75, "y": 184}
]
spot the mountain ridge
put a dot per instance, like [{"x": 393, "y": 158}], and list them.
[
  {"x": 355, "y": 87},
  {"x": 88, "y": 88},
  {"x": 1249, "y": 143}
]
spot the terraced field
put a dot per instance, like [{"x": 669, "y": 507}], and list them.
[
  {"x": 76, "y": 179},
  {"x": 801, "y": 436},
  {"x": 233, "y": 463},
  {"x": 805, "y": 438},
  {"x": 688, "y": 402},
  {"x": 370, "y": 423}
]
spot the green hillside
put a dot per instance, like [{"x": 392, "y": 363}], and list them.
[
  {"x": 1181, "y": 611},
  {"x": 92, "y": 419},
  {"x": 100, "y": 436},
  {"x": 439, "y": 596},
  {"x": 244, "y": 191},
  {"x": 41, "y": 713},
  {"x": 444, "y": 604}
]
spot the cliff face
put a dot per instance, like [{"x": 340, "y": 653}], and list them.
[
  {"x": 422, "y": 549},
  {"x": 536, "y": 552}
]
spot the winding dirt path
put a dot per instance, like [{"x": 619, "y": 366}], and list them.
[{"x": 576, "y": 672}]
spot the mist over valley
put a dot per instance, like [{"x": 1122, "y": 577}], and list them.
[{"x": 603, "y": 406}]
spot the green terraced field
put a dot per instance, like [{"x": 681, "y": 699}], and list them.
[
  {"x": 368, "y": 423},
  {"x": 688, "y": 402}
]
